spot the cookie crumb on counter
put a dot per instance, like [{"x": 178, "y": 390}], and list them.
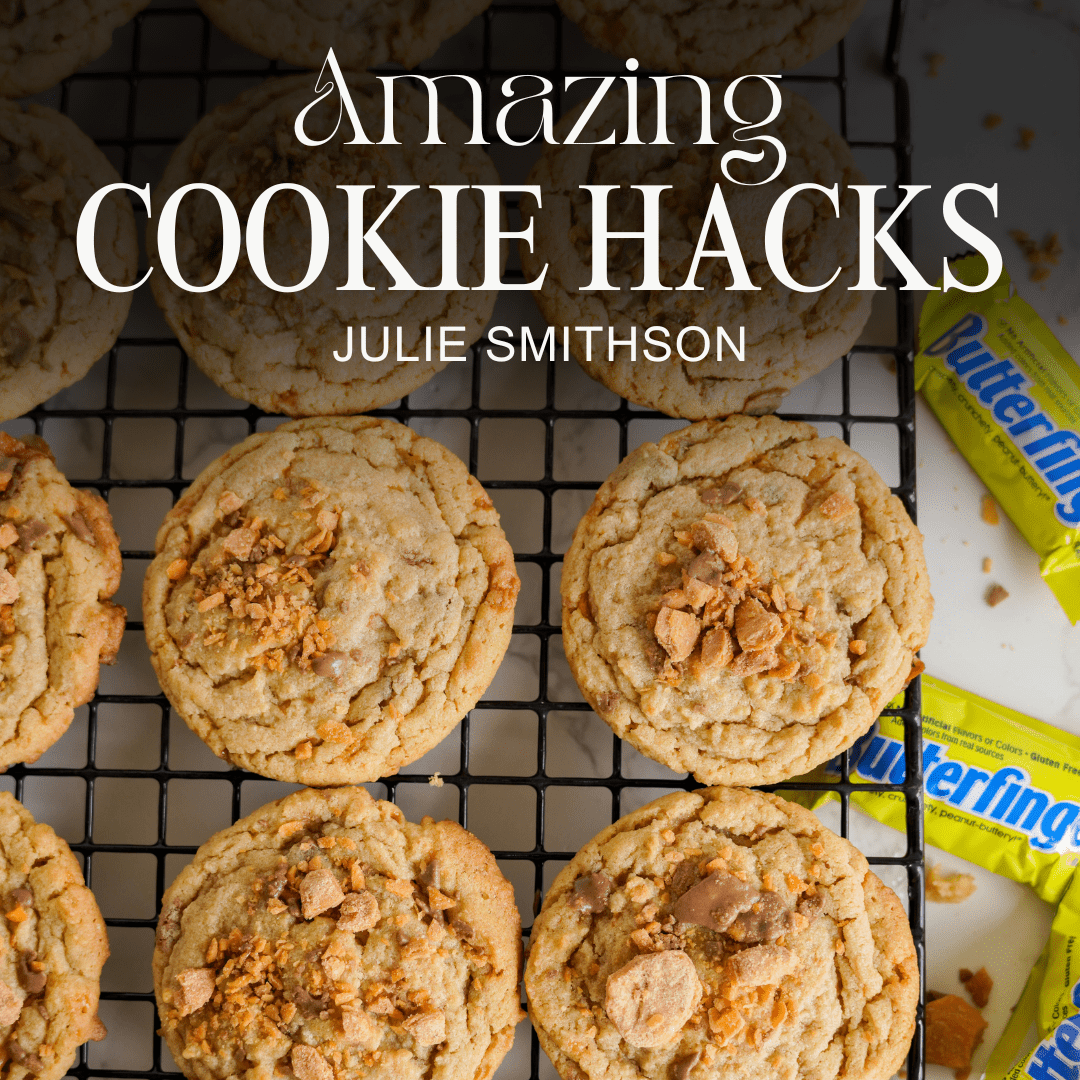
[
  {"x": 945, "y": 888},
  {"x": 1024, "y": 138},
  {"x": 996, "y": 594},
  {"x": 991, "y": 121},
  {"x": 953, "y": 1030},
  {"x": 988, "y": 564},
  {"x": 989, "y": 510},
  {"x": 435, "y": 780},
  {"x": 934, "y": 61},
  {"x": 1039, "y": 257},
  {"x": 978, "y": 984}
]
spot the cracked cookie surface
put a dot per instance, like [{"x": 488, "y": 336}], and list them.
[
  {"x": 52, "y": 949},
  {"x": 325, "y": 935},
  {"x": 362, "y": 33},
  {"x": 42, "y": 43},
  {"x": 793, "y": 959},
  {"x": 59, "y": 566},
  {"x": 276, "y": 349},
  {"x": 714, "y": 37},
  {"x": 743, "y": 599},
  {"x": 789, "y": 336},
  {"x": 329, "y": 599},
  {"x": 54, "y": 324}
]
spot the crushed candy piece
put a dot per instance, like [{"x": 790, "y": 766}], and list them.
[
  {"x": 651, "y": 998},
  {"x": 943, "y": 888},
  {"x": 319, "y": 892},
  {"x": 359, "y": 912},
  {"x": 978, "y": 984},
  {"x": 194, "y": 988},
  {"x": 763, "y": 965},
  {"x": 309, "y": 1064},
  {"x": 996, "y": 594},
  {"x": 427, "y": 1028},
  {"x": 953, "y": 1030}
]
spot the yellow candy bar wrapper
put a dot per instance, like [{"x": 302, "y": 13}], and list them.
[
  {"x": 1008, "y": 395},
  {"x": 1001, "y": 790}
]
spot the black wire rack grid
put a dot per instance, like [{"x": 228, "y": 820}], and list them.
[{"x": 128, "y": 1005}]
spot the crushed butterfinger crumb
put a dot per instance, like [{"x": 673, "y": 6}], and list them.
[
  {"x": 991, "y": 121},
  {"x": 944, "y": 888},
  {"x": 996, "y": 594},
  {"x": 988, "y": 510},
  {"x": 987, "y": 564}
]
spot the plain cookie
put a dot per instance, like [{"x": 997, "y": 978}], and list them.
[
  {"x": 59, "y": 566},
  {"x": 328, "y": 600},
  {"x": 276, "y": 349},
  {"x": 54, "y": 324},
  {"x": 325, "y": 936},
  {"x": 52, "y": 950},
  {"x": 743, "y": 599},
  {"x": 715, "y": 37},
  {"x": 362, "y": 33},
  {"x": 722, "y": 933},
  {"x": 42, "y": 43},
  {"x": 789, "y": 336}
]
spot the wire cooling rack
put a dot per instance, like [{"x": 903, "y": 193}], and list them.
[{"x": 532, "y": 771}]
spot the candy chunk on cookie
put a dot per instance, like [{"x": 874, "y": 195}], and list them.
[{"x": 650, "y": 999}]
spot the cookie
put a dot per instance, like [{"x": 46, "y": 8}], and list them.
[
  {"x": 59, "y": 566},
  {"x": 743, "y": 598},
  {"x": 362, "y": 33},
  {"x": 325, "y": 936},
  {"x": 54, "y": 324},
  {"x": 42, "y": 43},
  {"x": 328, "y": 600},
  {"x": 716, "y": 37},
  {"x": 788, "y": 336},
  {"x": 53, "y": 949},
  {"x": 718, "y": 934},
  {"x": 277, "y": 349}
]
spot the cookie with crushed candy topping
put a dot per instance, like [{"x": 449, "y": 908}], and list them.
[
  {"x": 54, "y": 324},
  {"x": 329, "y": 599},
  {"x": 51, "y": 951},
  {"x": 743, "y": 598},
  {"x": 736, "y": 936},
  {"x": 59, "y": 568},
  {"x": 326, "y": 936}
]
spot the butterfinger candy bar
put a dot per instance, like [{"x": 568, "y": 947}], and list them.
[
  {"x": 1001, "y": 790},
  {"x": 1008, "y": 394}
]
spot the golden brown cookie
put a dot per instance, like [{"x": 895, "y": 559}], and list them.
[
  {"x": 59, "y": 566},
  {"x": 325, "y": 936},
  {"x": 789, "y": 336},
  {"x": 715, "y": 37},
  {"x": 362, "y": 33},
  {"x": 276, "y": 349},
  {"x": 42, "y": 43},
  {"x": 718, "y": 934},
  {"x": 53, "y": 323},
  {"x": 743, "y": 599},
  {"x": 328, "y": 600},
  {"x": 52, "y": 950}
]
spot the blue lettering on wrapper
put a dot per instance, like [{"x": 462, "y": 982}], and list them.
[
  {"x": 1006, "y": 796},
  {"x": 999, "y": 384}
]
